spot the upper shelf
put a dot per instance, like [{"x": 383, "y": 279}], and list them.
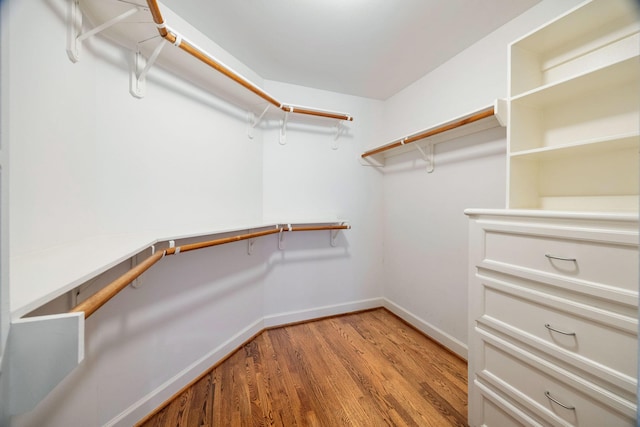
[
  {"x": 484, "y": 118},
  {"x": 143, "y": 29}
]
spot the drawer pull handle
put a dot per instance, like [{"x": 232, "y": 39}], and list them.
[
  {"x": 548, "y": 326},
  {"x": 560, "y": 258},
  {"x": 571, "y": 408}
]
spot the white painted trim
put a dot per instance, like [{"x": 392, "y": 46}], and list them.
[
  {"x": 279, "y": 319},
  {"x": 165, "y": 391},
  {"x": 436, "y": 334}
]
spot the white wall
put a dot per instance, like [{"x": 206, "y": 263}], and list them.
[
  {"x": 425, "y": 230},
  {"x": 307, "y": 178},
  {"x": 4, "y": 197}
]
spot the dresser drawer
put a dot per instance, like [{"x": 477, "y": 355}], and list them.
[
  {"x": 610, "y": 264},
  {"x": 552, "y": 397},
  {"x": 560, "y": 326}
]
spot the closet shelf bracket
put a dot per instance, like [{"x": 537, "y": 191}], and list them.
[
  {"x": 75, "y": 36},
  {"x": 137, "y": 282},
  {"x": 339, "y": 131},
  {"x": 333, "y": 234},
  {"x": 283, "y": 129},
  {"x": 254, "y": 122},
  {"x": 281, "y": 236},
  {"x": 140, "y": 68},
  {"x": 427, "y": 156}
]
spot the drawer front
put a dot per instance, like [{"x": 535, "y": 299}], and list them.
[
  {"x": 605, "y": 263},
  {"x": 497, "y": 410},
  {"x": 546, "y": 394},
  {"x": 578, "y": 334}
]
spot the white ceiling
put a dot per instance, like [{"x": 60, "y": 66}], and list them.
[{"x": 370, "y": 48}]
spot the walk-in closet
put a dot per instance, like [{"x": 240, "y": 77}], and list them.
[{"x": 421, "y": 212}]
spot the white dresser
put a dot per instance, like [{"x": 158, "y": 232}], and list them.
[
  {"x": 553, "y": 318},
  {"x": 553, "y": 282}
]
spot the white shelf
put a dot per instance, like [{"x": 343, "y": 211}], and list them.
[
  {"x": 39, "y": 277},
  {"x": 577, "y": 42},
  {"x": 582, "y": 148},
  {"x": 602, "y": 78}
]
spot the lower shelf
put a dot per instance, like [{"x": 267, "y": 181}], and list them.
[
  {"x": 589, "y": 180},
  {"x": 41, "y": 276}
]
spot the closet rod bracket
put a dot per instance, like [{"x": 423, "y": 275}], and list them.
[
  {"x": 339, "y": 131},
  {"x": 333, "y": 234},
  {"x": 250, "y": 243},
  {"x": 283, "y": 129},
  {"x": 75, "y": 36},
  {"x": 137, "y": 282},
  {"x": 281, "y": 236},
  {"x": 254, "y": 122},
  {"x": 427, "y": 156},
  {"x": 140, "y": 68}
]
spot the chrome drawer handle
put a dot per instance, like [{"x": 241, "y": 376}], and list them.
[
  {"x": 548, "y": 326},
  {"x": 571, "y": 408},
  {"x": 560, "y": 258}
]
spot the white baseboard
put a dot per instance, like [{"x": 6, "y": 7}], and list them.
[
  {"x": 164, "y": 392},
  {"x": 279, "y": 319},
  {"x": 438, "y": 335}
]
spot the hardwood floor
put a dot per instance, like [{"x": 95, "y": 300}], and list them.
[{"x": 363, "y": 369}]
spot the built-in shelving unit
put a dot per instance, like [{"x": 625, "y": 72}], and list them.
[
  {"x": 423, "y": 141},
  {"x": 574, "y": 112},
  {"x": 553, "y": 279}
]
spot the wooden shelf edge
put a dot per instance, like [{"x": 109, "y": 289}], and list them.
[
  {"x": 496, "y": 112},
  {"x": 149, "y": 20},
  {"x": 53, "y": 270}
]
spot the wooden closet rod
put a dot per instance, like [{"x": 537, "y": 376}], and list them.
[
  {"x": 100, "y": 298},
  {"x": 204, "y": 57},
  {"x": 431, "y": 132}
]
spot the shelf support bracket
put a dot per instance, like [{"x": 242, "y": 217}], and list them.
[
  {"x": 74, "y": 27},
  {"x": 281, "y": 239},
  {"x": 140, "y": 68},
  {"x": 250, "y": 243},
  {"x": 333, "y": 234},
  {"x": 339, "y": 131},
  {"x": 281, "y": 236},
  {"x": 427, "y": 157},
  {"x": 253, "y": 121},
  {"x": 283, "y": 129},
  {"x": 137, "y": 282}
]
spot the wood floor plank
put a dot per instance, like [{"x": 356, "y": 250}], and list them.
[
  {"x": 191, "y": 408},
  {"x": 362, "y": 369},
  {"x": 397, "y": 383}
]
